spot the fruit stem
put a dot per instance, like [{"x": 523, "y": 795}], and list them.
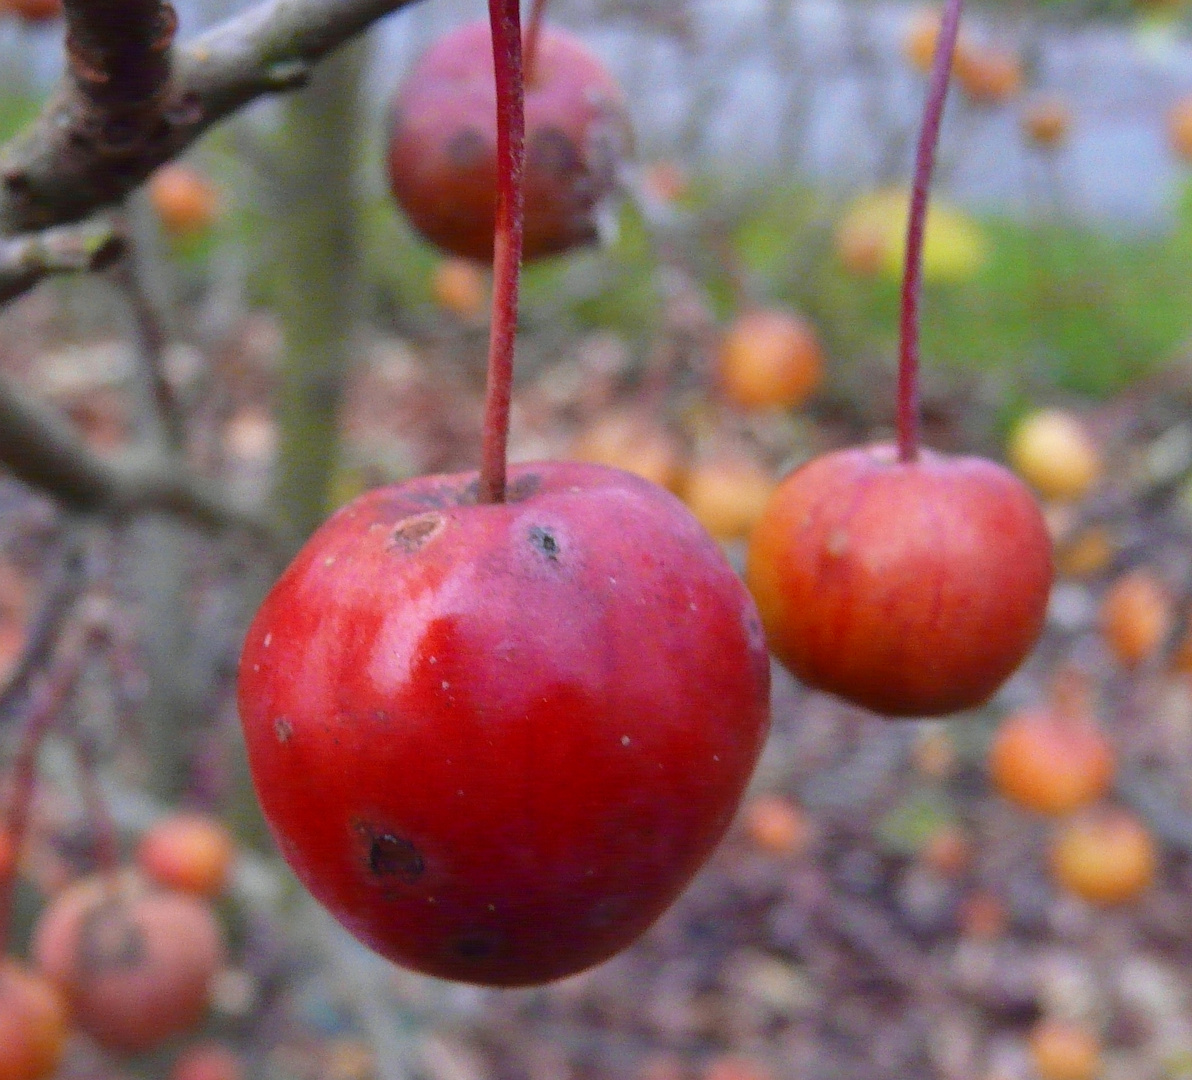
[
  {"x": 44, "y": 708},
  {"x": 912, "y": 278},
  {"x": 106, "y": 839},
  {"x": 530, "y": 46},
  {"x": 505, "y": 20}
]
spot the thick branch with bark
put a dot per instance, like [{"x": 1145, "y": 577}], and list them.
[{"x": 91, "y": 146}]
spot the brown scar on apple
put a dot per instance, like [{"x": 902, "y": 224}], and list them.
[{"x": 416, "y": 532}]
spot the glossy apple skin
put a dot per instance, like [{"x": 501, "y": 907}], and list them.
[
  {"x": 443, "y": 144},
  {"x": 496, "y": 741},
  {"x": 912, "y": 589}
]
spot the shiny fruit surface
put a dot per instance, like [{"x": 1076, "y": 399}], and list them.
[
  {"x": 135, "y": 964},
  {"x": 33, "y": 1024},
  {"x": 1050, "y": 762},
  {"x": 769, "y": 358},
  {"x": 189, "y": 852},
  {"x": 1105, "y": 856},
  {"x": 528, "y": 723},
  {"x": 442, "y": 143},
  {"x": 913, "y": 589}
]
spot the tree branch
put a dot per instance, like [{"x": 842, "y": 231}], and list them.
[
  {"x": 25, "y": 260},
  {"x": 41, "y": 449},
  {"x": 92, "y": 144}
]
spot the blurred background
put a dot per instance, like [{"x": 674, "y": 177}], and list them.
[{"x": 1005, "y": 895}]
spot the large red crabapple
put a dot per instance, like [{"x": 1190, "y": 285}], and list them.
[{"x": 496, "y": 740}]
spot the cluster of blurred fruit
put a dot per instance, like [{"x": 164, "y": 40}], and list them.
[{"x": 127, "y": 956}]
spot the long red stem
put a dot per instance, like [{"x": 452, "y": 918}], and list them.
[
  {"x": 507, "y": 243},
  {"x": 533, "y": 33},
  {"x": 912, "y": 278}
]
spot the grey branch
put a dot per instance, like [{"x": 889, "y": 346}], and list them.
[
  {"x": 82, "y": 153},
  {"x": 25, "y": 260},
  {"x": 41, "y": 448}
]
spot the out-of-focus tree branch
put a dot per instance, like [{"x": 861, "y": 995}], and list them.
[
  {"x": 25, "y": 260},
  {"x": 131, "y": 100},
  {"x": 41, "y": 448}
]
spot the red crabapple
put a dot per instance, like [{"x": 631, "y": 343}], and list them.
[{"x": 497, "y": 739}]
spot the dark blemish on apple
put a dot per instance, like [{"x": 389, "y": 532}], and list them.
[
  {"x": 416, "y": 532},
  {"x": 545, "y": 541},
  {"x": 475, "y": 947},
  {"x": 551, "y": 151},
  {"x": 467, "y": 149},
  {"x": 283, "y": 729},
  {"x": 394, "y": 856}
]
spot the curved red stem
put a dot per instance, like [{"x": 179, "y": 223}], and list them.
[
  {"x": 912, "y": 279},
  {"x": 507, "y": 243}
]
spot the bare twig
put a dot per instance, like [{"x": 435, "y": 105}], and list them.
[
  {"x": 87, "y": 150},
  {"x": 61, "y": 588},
  {"x": 25, "y": 260},
  {"x": 41, "y": 449}
]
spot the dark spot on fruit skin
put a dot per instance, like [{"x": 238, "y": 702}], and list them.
[
  {"x": 466, "y": 149},
  {"x": 393, "y": 856},
  {"x": 545, "y": 541},
  {"x": 475, "y": 947},
  {"x": 551, "y": 151},
  {"x": 416, "y": 532},
  {"x": 108, "y": 939}
]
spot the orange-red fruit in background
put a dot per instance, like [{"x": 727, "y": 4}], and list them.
[
  {"x": 442, "y": 143},
  {"x": 1105, "y": 856},
  {"x": 33, "y": 1024},
  {"x": 32, "y": 11},
  {"x": 461, "y": 287},
  {"x": 1046, "y": 121},
  {"x": 769, "y": 357},
  {"x": 630, "y": 439},
  {"x": 1063, "y": 1050},
  {"x": 1179, "y": 128},
  {"x": 208, "y": 1061},
  {"x": 919, "y": 44},
  {"x": 776, "y": 825},
  {"x": 134, "y": 964},
  {"x": 1051, "y": 760},
  {"x": 913, "y": 589},
  {"x": 186, "y": 201},
  {"x": 1136, "y": 617},
  {"x": 189, "y": 852},
  {"x": 727, "y": 493},
  {"x": 989, "y": 76}
]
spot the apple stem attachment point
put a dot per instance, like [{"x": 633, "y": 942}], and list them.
[
  {"x": 530, "y": 46},
  {"x": 912, "y": 278},
  {"x": 505, "y": 19}
]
